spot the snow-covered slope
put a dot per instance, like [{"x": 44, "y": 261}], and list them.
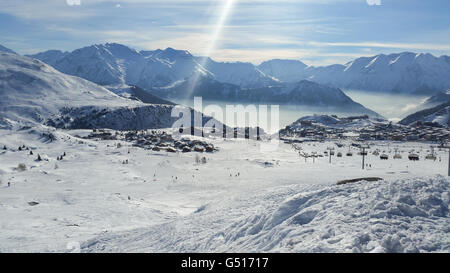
[
  {"x": 50, "y": 57},
  {"x": 404, "y": 72},
  {"x": 397, "y": 216},
  {"x": 245, "y": 75},
  {"x": 7, "y": 50},
  {"x": 32, "y": 91},
  {"x": 439, "y": 115},
  {"x": 437, "y": 99},
  {"x": 106, "y": 64}
]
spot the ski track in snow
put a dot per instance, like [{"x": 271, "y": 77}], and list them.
[{"x": 278, "y": 203}]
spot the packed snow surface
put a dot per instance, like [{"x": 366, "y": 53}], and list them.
[{"x": 241, "y": 200}]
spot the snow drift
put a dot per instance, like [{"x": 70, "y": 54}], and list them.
[{"x": 409, "y": 215}]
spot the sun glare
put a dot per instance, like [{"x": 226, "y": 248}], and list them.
[{"x": 215, "y": 36}]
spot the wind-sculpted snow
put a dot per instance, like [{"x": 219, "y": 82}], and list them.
[
  {"x": 409, "y": 215},
  {"x": 113, "y": 63},
  {"x": 108, "y": 64}
]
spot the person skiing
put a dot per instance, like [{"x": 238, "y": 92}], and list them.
[{"x": 9, "y": 184}]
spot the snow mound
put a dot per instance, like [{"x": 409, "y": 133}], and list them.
[{"x": 410, "y": 215}]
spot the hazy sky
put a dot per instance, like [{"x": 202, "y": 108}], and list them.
[{"x": 314, "y": 31}]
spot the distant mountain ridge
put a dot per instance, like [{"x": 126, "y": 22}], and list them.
[
  {"x": 174, "y": 74},
  {"x": 439, "y": 115},
  {"x": 404, "y": 72},
  {"x": 113, "y": 63}
]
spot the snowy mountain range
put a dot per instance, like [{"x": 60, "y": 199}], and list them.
[
  {"x": 171, "y": 74},
  {"x": 395, "y": 73},
  {"x": 33, "y": 92},
  {"x": 405, "y": 72},
  {"x": 110, "y": 64},
  {"x": 438, "y": 115}
]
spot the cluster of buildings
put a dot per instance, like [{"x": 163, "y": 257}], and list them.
[
  {"x": 361, "y": 128},
  {"x": 154, "y": 140}
]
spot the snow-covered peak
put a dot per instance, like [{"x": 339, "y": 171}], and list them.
[
  {"x": 32, "y": 92},
  {"x": 405, "y": 72},
  {"x": 333, "y": 121},
  {"x": 171, "y": 54},
  {"x": 51, "y": 57},
  {"x": 113, "y": 64},
  {"x": 239, "y": 73},
  {"x": 283, "y": 70}
]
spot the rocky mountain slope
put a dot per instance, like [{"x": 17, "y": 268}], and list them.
[{"x": 438, "y": 115}]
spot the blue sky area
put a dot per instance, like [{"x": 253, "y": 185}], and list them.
[{"x": 318, "y": 32}]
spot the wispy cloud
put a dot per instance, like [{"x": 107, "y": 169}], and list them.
[
  {"x": 409, "y": 46},
  {"x": 315, "y": 31}
]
